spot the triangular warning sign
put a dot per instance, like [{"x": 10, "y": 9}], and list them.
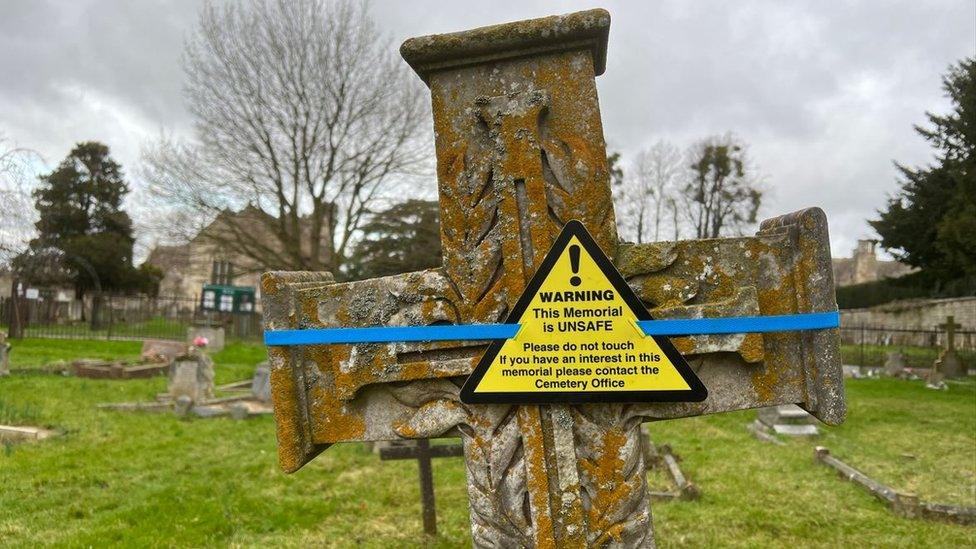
[{"x": 579, "y": 340}]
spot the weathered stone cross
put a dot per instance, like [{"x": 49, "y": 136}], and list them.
[
  {"x": 949, "y": 363},
  {"x": 520, "y": 151},
  {"x": 950, "y": 326}
]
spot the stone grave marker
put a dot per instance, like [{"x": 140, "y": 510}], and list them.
[
  {"x": 949, "y": 364},
  {"x": 4, "y": 355},
  {"x": 422, "y": 451},
  {"x": 788, "y": 420},
  {"x": 23, "y": 433},
  {"x": 161, "y": 350},
  {"x": 894, "y": 365},
  {"x": 520, "y": 152},
  {"x": 261, "y": 383},
  {"x": 213, "y": 334},
  {"x": 191, "y": 376}
]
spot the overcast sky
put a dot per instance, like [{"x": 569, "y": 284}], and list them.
[{"x": 824, "y": 93}]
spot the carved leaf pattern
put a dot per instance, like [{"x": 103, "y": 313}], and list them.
[
  {"x": 493, "y": 453},
  {"x": 470, "y": 232},
  {"x": 612, "y": 474}
]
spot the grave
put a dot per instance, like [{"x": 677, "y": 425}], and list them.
[
  {"x": 520, "y": 153},
  {"x": 191, "y": 391},
  {"x": 191, "y": 375},
  {"x": 261, "y": 383},
  {"x": 901, "y": 503},
  {"x": 662, "y": 457},
  {"x": 949, "y": 364},
  {"x": 213, "y": 334},
  {"x": 161, "y": 350},
  {"x": 894, "y": 365},
  {"x": 787, "y": 420},
  {"x": 4, "y": 355},
  {"x": 116, "y": 369},
  {"x": 22, "y": 433}
]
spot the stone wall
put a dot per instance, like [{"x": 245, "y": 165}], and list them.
[{"x": 918, "y": 315}]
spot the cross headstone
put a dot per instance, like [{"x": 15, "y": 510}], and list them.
[
  {"x": 422, "y": 451},
  {"x": 949, "y": 364},
  {"x": 520, "y": 152}
]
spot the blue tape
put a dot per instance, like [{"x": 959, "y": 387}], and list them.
[
  {"x": 741, "y": 324},
  {"x": 391, "y": 334},
  {"x": 476, "y": 332}
]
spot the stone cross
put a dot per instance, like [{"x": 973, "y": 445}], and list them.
[
  {"x": 520, "y": 152},
  {"x": 950, "y": 326},
  {"x": 422, "y": 451},
  {"x": 949, "y": 363}
]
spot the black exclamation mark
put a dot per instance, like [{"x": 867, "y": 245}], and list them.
[{"x": 574, "y": 264}]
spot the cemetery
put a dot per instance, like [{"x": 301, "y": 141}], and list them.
[
  {"x": 556, "y": 375},
  {"x": 142, "y": 477}
]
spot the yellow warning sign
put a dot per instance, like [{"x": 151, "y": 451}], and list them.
[{"x": 579, "y": 340}]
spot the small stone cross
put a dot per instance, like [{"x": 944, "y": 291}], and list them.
[
  {"x": 949, "y": 363},
  {"x": 950, "y": 326},
  {"x": 422, "y": 451},
  {"x": 520, "y": 152}
]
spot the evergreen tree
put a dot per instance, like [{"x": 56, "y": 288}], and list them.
[
  {"x": 403, "y": 238},
  {"x": 83, "y": 224},
  {"x": 931, "y": 223}
]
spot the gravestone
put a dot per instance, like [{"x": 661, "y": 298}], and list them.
[
  {"x": 191, "y": 375},
  {"x": 949, "y": 364},
  {"x": 261, "y": 383},
  {"x": 4, "y": 355},
  {"x": 788, "y": 420},
  {"x": 23, "y": 433},
  {"x": 213, "y": 334},
  {"x": 894, "y": 365},
  {"x": 161, "y": 350},
  {"x": 520, "y": 152}
]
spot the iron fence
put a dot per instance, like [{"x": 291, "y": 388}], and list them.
[
  {"x": 870, "y": 345},
  {"x": 119, "y": 317}
]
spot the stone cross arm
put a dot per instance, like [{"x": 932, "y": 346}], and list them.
[
  {"x": 328, "y": 394},
  {"x": 520, "y": 152}
]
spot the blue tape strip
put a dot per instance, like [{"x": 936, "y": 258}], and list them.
[
  {"x": 741, "y": 324},
  {"x": 476, "y": 332},
  {"x": 391, "y": 334}
]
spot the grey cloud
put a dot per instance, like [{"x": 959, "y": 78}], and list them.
[{"x": 824, "y": 93}]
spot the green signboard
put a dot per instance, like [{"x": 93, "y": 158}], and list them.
[{"x": 227, "y": 299}]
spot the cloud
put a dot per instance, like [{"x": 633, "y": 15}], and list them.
[{"x": 824, "y": 93}]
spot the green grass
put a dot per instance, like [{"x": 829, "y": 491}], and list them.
[
  {"x": 138, "y": 480},
  {"x": 915, "y": 357},
  {"x": 33, "y": 353}
]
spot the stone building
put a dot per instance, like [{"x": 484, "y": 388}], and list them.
[
  {"x": 864, "y": 266},
  {"x": 207, "y": 258}
]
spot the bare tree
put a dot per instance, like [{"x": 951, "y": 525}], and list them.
[
  {"x": 722, "y": 192},
  {"x": 16, "y": 208},
  {"x": 645, "y": 196},
  {"x": 304, "y": 118}
]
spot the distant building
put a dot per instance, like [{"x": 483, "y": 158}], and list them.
[
  {"x": 205, "y": 259},
  {"x": 865, "y": 266}
]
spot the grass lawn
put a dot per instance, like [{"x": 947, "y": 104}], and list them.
[
  {"x": 130, "y": 479},
  {"x": 915, "y": 357}
]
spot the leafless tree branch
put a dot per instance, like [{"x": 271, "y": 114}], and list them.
[{"x": 302, "y": 114}]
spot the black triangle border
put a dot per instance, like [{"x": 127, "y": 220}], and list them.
[{"x": 697, "y": 392}]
